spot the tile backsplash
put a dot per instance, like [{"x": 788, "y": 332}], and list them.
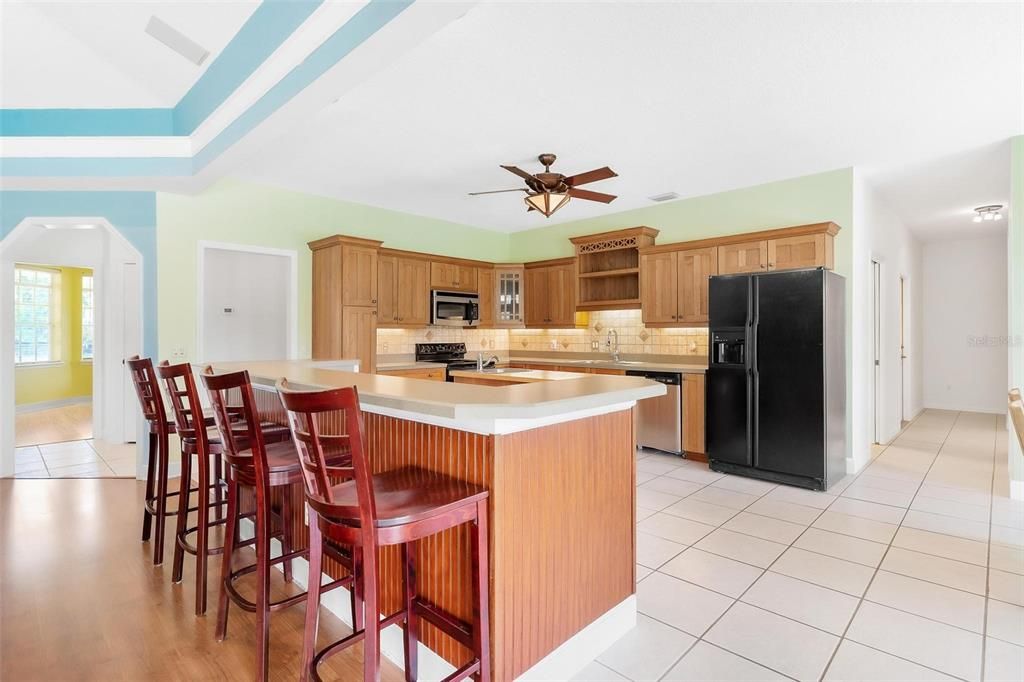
[
  {"x": 403, "y": 341},
  {"x": 634, "y": 337}
]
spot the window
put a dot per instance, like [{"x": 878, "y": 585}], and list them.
[
  {"x": 36, "y": 315},
  {"x": 88, "y": 322}
]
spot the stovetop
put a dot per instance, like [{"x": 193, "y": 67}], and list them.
[{"x": 440, "y": 352}]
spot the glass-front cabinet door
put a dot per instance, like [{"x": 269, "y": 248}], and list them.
[{"x": 510, "y": 296}]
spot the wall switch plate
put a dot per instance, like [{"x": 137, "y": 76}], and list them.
[
  {"x": 178, "y": 353},
  {"x": 554, "y": 344},
  {"x": 595, "y": 345},
  {"x": 384, "y": 347}
]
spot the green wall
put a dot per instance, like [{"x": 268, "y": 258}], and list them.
[
  {"x": 70, "y": 377},
  {"x": 1015, "y": 259},
  {"x": 245, "y": 213}
]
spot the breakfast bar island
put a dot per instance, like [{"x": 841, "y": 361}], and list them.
[{"x": 558, "y": 459}]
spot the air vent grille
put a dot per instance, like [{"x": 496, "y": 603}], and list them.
[{"x": 666, "y": 196}]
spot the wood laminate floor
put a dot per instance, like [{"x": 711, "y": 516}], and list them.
[
  {"x": 56, "y": 425},
  {"x": 81, "y": 600}
]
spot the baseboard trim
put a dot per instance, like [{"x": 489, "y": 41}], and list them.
[{"x": 51, "y": 404}]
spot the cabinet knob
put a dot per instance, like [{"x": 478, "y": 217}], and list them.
[{"x": 373, "y": 301}]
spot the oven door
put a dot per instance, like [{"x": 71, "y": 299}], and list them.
[{"x": 454, "y": 310}]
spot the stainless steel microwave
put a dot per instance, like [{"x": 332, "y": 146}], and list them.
[{"x": 454, "y": 309}]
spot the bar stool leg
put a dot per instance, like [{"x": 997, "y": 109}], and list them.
[
  {"x": 203, "y": 533},
  {"x": 184, "y": 502},
  {"x": 371, "y": 639},
  {"x": 411, "y": 621},
  {"x": 218, "y": 495},
  {"x": 481, "y": 596},
  {"x": 161, "y": 500},
  {"x": 147, "y": 517},
  {"x": 230, "y": 535},
  {"x": 286, "y": 538},
  {"x": 316, "y": 548},
  {"x": 358, "y": 622},
  {"x": 262, "y": 587}
]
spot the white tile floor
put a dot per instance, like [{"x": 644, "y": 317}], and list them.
[
  {"x": 911, "y": 570},
  {"x": 76, "y": 459}
]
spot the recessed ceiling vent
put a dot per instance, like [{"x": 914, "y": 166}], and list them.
[
  {"x": 176, "y": 40},
  {"x": 667, "y": 196}
]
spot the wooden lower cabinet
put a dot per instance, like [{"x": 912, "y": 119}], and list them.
[
  {"x": 693, "y": 413},
  {"x": 433, "y": 374},
  {"x": 359, "y": 336}
]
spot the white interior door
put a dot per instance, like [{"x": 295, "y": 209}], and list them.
[{"x": 876, "y": 347}]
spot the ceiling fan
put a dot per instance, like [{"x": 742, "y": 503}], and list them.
[{"x": 547, "y": 192}]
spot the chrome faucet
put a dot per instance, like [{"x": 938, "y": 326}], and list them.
[
  {"x": 612, "y": 348},
  {"x": 481, "y": 363}
]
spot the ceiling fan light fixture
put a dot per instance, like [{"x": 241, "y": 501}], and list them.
[
  {"x": 547, "y": 202},
  {"x": 987, "y": 213}
]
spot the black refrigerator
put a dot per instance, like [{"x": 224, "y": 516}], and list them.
[{"x": 776, "y": 382}]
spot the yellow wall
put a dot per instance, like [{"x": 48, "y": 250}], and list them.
[{"x": 70, "y": 378}]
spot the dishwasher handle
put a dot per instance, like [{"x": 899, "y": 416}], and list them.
[{"x": 668, "y": 378}]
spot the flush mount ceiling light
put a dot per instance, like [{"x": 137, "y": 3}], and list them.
[
  {"x": 176, "y": 40},
  {"x": 986, "y": 213},
  {"x": 546, "y": 202}
]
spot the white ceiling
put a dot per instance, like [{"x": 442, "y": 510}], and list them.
[
  {"x": 691, "y": 98},
  {"x": 98, "y": 55}
]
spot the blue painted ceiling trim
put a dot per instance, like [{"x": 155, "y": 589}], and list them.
[
  {"x": 356, "y": 30},
  {"x": 264, "y": 31}
]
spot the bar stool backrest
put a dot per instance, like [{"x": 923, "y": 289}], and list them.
[
  {"x": 239, "y": 425},
  {"x": 1017, "y": 415},
  {"x": 180, "y": 386},
  {"x": 148, "y": 390},
  {"x": 305, "y": 409}
]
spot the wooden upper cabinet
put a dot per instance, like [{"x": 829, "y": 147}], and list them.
[
  {"x": 561, "y": 295},
  {"x": 536, "y": 290},
  {"x": 693, "y": 413},
  {"x": 804, "y": 251},
  {"x": 658, "y": 288},
  {"x": 359, "y": 278},
  {"x": 743, "y": 257},
  {"x": 488, "y": 300},
  {"x": 413, "y": 293},
  {"x": 387, "y": 290},
  {"x": 451, "y": 276},
  {"x": 359, "y": 324},
  {"x": 695, "y": 268}
]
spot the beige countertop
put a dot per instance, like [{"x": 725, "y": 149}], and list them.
[
  {"x": 659, "y": 366},
  {"x": 516, "y": 376},
  {"x": 468, "y": 407}
]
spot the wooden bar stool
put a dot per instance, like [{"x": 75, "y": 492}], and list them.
[
  {"x": 369, "y": 511},
  {"x": 191, "y": 425},
  {"x": 253, "y": 463},
  {"x": 160, "y": 428}
]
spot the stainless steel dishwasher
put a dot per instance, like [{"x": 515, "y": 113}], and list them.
[{"x": 659, "y": 420}]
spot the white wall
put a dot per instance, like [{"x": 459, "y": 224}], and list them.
[
  {"x": 965, "y": 324},
  {"x": 879, "y": 234},
  {"x": 256, "y": 287}
]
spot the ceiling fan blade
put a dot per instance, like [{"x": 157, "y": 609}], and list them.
[
  {"x": 590, "y": 176},
  {"x": 518, "y": 171},
  {"x": 591, "y": 196},
  {"x": 499, "y": 191}
]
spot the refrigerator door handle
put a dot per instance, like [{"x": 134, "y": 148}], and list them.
[{"x": 755, "y": 384}]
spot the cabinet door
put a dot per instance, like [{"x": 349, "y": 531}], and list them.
[
  {"x": 695, "y": 269},
  {"x": 509, "y": 294},
  {"x": 413, "y": 293},
  {"x": 806, "y": 251},
  {"x": 466, "y": 278},
  {"x": 359, "y": 268},
  {"x": 387, "y": 290},
  {"x": 745, "y": 257},
  {"x": 443, "y": 275},
  {"x": 488, "y": 306},
  {"x": 658, "y": 288},
  {"x": 693, "y": 413},
  {"x": 536, "y": 293},
  {"x": 327, "y": 287},
  {"x": 561, "y": 295},
  {"x": 360, "y": 336}
]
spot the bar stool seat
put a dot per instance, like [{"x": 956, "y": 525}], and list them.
[{"x": 404, "y": 496}]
